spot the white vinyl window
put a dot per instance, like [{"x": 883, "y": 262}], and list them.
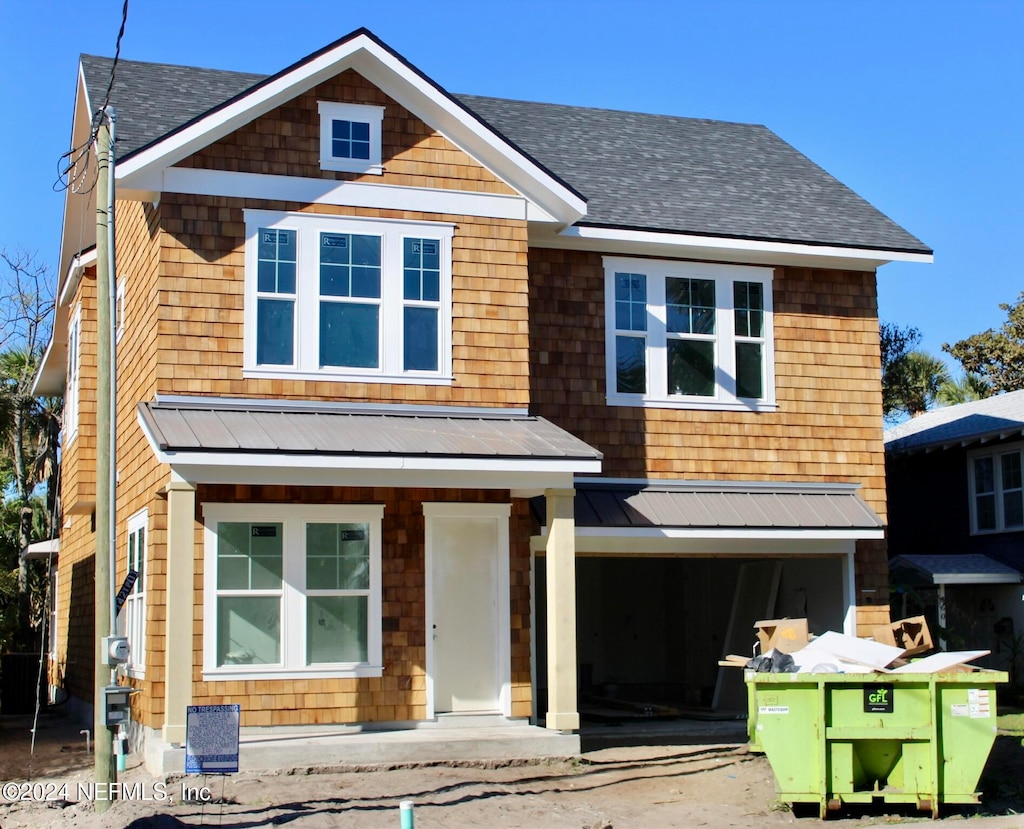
[
  {"x": 119, "y": 309},
  {"x": 134, "y": 609},
  {"x": 996, "y": 490},
  {"x": 72, "y": 388},
  {"x": 292, "y": 591},
  {"x": 688, "y": 335},
  {"x": 350, "y": 137},
  {"x": 341, "y": 298}
]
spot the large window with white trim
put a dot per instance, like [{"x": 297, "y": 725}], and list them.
[
  {"x": 688, "y": 334},
  {"x": 344, "y": 298},
  {"x": 996, "y": 490},
  {"x": 293, "y": 590}
]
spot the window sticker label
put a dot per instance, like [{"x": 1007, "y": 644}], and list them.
[{"x": 262, "y": 531}]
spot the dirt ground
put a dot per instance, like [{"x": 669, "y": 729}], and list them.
[{"x": 720, "y": 785}]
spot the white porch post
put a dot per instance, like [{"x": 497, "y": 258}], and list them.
[
  {"x": 178, "y": 649},
  {"x": 560, "y": 564}
]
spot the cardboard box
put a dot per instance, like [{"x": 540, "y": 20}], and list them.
[
  {"x": 783, "y": 635},
  {"x": 911, "y": 634}
]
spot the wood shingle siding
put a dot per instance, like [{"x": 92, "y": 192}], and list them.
[{"x": 400, "y": 694}]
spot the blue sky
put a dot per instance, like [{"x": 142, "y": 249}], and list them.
[{"x": 915, "y": 105}]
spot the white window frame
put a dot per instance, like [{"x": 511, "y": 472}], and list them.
[
  {"x": 52, "y": 615},
  {"x": 306, "y": 345},
  {"x": 331, "y": 111},
  {"x": 293, "y": 518},
  {"x": 72, "y": 389},
  {"x": 996, "y": 454},
  {"x": 134, "y": 610},
  {"x": 119, "y": 309},
  {"x": 656, "y": 272}
]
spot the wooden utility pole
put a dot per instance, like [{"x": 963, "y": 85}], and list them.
[{"x": 106, "y": 763}]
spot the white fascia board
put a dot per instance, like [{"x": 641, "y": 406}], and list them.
[
  {"x": 689, "y": 246},
  {"x": 284, "y": 473},
  {"x": 50, "y": 376},
  {"x": 400, "y": 82},
  {"x": 975, "y": 578},
  {"x": 763, "y": 545},
  {"x": 328, "y": 191},
  {"x": 375, "y": 463},
  {"x": 732, "y": 533},
  {"x": 78, "y": 229}
]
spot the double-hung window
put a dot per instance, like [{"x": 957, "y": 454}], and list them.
[
  {"x": 688, "y": 335},
  {"x": 134, "y": 609},
  {"x": 72, "y": 388},
  {"x": 997, "y": 490},
  {"x": 341, "y": 298},
  {"x": 350, "y": 137},
  {"x": 292, "y": 590}
]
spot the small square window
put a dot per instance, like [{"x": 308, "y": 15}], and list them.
[{"x": 350, "y": 137}]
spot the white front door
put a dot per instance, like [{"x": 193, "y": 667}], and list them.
[{"x": 468, "y": 647}]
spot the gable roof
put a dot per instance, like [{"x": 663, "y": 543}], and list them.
[
  {"x": 993, "y": 418},
  {"x": 630, "y": 170}
]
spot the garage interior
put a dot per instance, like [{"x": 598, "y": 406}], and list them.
[{"x": 651, "y": 629}]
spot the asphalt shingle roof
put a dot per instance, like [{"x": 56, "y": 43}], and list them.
[
  {"x": 637, "y": 171},
  {"x": 953, "y": 425}
]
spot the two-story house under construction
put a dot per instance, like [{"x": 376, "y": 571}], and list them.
[{"x": 433, "y": 405}]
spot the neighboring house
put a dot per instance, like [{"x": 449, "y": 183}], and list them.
[
  {"x": 436, "y": 404},
  {"x": 956, "y": 521}
]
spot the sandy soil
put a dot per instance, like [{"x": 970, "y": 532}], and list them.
[{"x": 654, "y": 786}]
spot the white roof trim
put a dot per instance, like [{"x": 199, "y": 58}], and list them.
[
  {"x": 404, "y": 84},
  {"x": 731, "y": 249},
  {"x": 43, "y": 549},
  {"x": 329, "y": 191},
  {"x": 737, "y": 533}
]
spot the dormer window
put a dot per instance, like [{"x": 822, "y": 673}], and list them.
[{"x": 350, "y": 137}]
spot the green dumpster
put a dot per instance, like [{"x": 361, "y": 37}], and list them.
[{"x": 834, "y": 739}]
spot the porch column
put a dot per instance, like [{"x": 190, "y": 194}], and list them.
[
  {"x": 178, "y": 648},
  {"x": 560, "y": 564}
]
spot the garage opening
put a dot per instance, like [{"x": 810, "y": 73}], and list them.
[{"x": 651, "y": 630}]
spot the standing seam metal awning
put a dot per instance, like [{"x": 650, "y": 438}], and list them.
[
  {"x": 716, "y": 505},
  {"x": 198, "y": 429}
]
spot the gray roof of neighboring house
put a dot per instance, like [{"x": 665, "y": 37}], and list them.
[
  {"x": 639, "y": 171},
  {"x": 718, "y": 504},
  {"x": 992, "y": 418},
  {"x": 284, "y": 428},
  {"x": 957, "y": 569}
]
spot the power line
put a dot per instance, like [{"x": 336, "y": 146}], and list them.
[{"x": 73, "y": 170}]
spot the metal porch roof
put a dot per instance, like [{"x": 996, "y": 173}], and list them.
[
  {"x": 200, "y": 427},
  {"x": 721, "y": 505}
]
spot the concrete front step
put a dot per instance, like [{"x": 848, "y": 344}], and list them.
[{"x": 421, "y": 743}]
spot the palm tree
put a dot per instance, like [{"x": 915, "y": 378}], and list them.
[
  {"x": 967, "y": 388},
  {"x": 925, "y": 374}
]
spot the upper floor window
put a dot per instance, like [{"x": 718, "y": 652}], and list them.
[
  {"x": 342, "y": 298},
  {"x": 688, "y": 335},
  {"x": 72, "y": 388},
  {"x": 350, "y": 137},
  {"x": 997, "y": 494}
]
